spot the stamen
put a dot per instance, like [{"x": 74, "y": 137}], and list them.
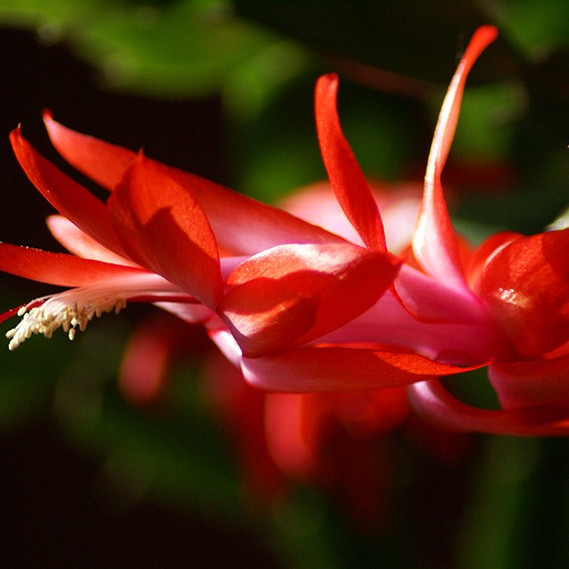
[
  {"x": 57, "y": 313},
  {"x": 74, "y": 308}
]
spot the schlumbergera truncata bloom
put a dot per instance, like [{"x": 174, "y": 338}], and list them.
[
  {"x": 338, "y": 442},
  {"x": 296, "y": 306}
]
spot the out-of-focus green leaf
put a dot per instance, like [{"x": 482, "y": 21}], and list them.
[
  {"x": 534, "y": 27},
  {"x": 190, "y": 47},
  {"x": 173, "y": 48},
  {"x": 47, "y": 17}
]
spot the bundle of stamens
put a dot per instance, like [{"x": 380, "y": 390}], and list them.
[{"x": 55, "y": 313}]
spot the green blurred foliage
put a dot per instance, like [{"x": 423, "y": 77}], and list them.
[{"x": 161, "y": 48}]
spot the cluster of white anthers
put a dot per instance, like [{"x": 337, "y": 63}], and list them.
[
  {"x": 74, "y": 308},
  {"x": 56, "y": 313}
]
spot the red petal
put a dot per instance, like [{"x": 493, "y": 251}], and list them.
[
  {"x": 482, "y": 254},
  {"x": 149, "y": 354},
  {"x": 69, "y": 198},
  {"x": 241, "y": 225},
  {"x": 295, "y": 293},
  {"x": 165, "y": 230},
  {"x": 434, "y": 244},
  {"x": 57, "y": 268},
  {"x": 434, "y": 403},
  {"x": 536, "y": 383},
  {"x": 80, "y": 244},
  {"x": 526, "y": 286},
  {"x": 347, "y": 179},
  {"x": 102, "y": 162},
  {"x": 331, "y": 368},
  {"x": 294, "y": 444}
]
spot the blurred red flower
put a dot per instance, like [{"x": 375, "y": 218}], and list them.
[{"x": 339, "y": 443}]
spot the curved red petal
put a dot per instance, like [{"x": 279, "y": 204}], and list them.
[
  {"x": 67, "y": 196},
  {"x": 434, "y": 403},
  {"x": 241, "y": 224},
  {"x": 295, "y": 293},
  {"x": 347, "y": 179},
  {"x": 526, "y": 286},
  {"x": 165, "y": 230},
  {"x": 335, "y": 368},
  {"x": 434, "y": 243},
  {"x": 57, "y": 268}
]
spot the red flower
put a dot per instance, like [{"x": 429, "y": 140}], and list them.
[
  {"x": 429, "y": 323},
  {"x": 296, "y": 306},
  {"x": 268, "y": 285},
  {"x": 337, "y": 442}
]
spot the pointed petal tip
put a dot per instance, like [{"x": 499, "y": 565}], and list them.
[
  {"x": 53, "y": 127},
  {"x": 19, "y": 143},
  {"x": 481, "y": 39},
  {"x": 487, "y": 33},
  {"x": 16, "y": 133},
  {"x": 326, "y": 86},
  {"x": 328, "y": 79}
]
